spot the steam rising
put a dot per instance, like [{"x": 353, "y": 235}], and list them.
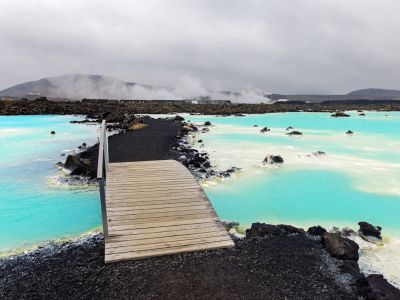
[{"x": 77, "y": 87}]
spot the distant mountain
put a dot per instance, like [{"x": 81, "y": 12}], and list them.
[
  {"x": 375, "y": 93},
  {"x": 79, "y": 87}
]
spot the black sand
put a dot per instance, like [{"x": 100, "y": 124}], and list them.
[
  {"x": 280, "y": 267},
  {"x": 153, "y": 142}
]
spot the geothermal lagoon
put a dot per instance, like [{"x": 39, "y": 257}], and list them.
[{"x": 356, "y": 178}]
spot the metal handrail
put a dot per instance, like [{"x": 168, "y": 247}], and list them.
[{"x": 102, "y": 168}]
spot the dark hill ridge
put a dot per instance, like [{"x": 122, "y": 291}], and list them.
[
  {"x": 76, "y": 87},
  {"x": 375, "y": 93}
]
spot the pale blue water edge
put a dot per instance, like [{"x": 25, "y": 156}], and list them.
[
  {"x": 33, "y": 207},
  {"x": 306, "y": 195},
  {"x": 304, "y": 198}
]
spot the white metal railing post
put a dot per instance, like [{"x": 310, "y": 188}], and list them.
[
  {"x": 106, "y": 154},
  {"x": 102, "y": 166}
]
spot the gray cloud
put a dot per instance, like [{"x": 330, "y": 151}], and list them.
[{"x": 295, "y": 46}]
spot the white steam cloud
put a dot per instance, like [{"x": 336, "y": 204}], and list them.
[{"x": 105, "y": 87}]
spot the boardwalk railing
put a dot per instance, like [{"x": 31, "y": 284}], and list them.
[{"x": 102, "y": 168}]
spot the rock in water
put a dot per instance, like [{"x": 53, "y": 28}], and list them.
[
  {"x": 179, "y": 119},
  {"x": 339, "y": 246},
  {"x": 265, "y": 129},
  {"x": 349, "y": 132},
  {"x": 53, "y": 132},
  {"x": 340, "y": 114},
  {"x": 207, "y": 123},
  {"x": 370, "y": 232},
  {"x": 375, "y": 286},
  {"x": 273, "y": 159},
  {"x": 316, "y": 230},
  {"x": 76, "y": 165},
  {"x": 295, "y": 132},
  {"x": 262, "y": 230},
  {"x": 319, "y": 153},
  {"x": 289, "y": 128}
]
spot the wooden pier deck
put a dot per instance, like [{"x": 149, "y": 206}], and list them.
[{"x": 154, "y": 208}]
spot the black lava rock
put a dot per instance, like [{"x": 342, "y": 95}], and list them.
[
  {"x": 339, "y": 246},
  {"x": 316, "y": 230},
  {"x": 368, "y": 229},
  {"x": 262, "y": 230},
  {"x": 376, "y": 287},
  {"x": 340, "y": 114},
  {"x": 291, "y": 229},
  {"x": 295, "y": 132}
]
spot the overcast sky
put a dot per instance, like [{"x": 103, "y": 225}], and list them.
[{"x": 292, "y": 46}]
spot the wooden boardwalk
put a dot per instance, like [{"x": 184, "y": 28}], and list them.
[{"x": 156, "y": 208}]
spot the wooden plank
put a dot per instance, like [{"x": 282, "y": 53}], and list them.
[
  {"x": 118, "y": 217},
  {"x": 162, "y": 205},
  {"x": 154, "y": 180},
  {"x": 162, "y": 245},
  {"x": 163, "y": 231},
  {"x": 125, "y": 220},
  {"x": 164, "y": 223},
  {"x": 131, "y": 233},
  {"x": 168, "y": 202},
  {"x": 128, "y": 188},
  {"x": 146, "y": 186},
  {"x": 115, "y": 246},
  {"x": 150, "y": 193},
  {"x": 117, "y": 197},
  {"x": 134, "y": 215},
  {"x": 149, "y": 210}
]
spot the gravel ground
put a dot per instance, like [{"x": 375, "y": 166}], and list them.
[{"x": 280, "y": 267}]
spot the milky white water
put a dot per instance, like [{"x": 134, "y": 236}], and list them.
[{"x": 357, "y": 180}]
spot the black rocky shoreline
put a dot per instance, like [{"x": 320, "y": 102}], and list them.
[
  {"x": 271, "y": 262},
  {"x": 94, "y": 108}
]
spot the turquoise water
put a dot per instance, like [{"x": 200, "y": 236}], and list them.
[
  {"x": 307, "y": 190},
  {"x": 34, "y": 208},
  {"x": 303, "y": 198}
]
